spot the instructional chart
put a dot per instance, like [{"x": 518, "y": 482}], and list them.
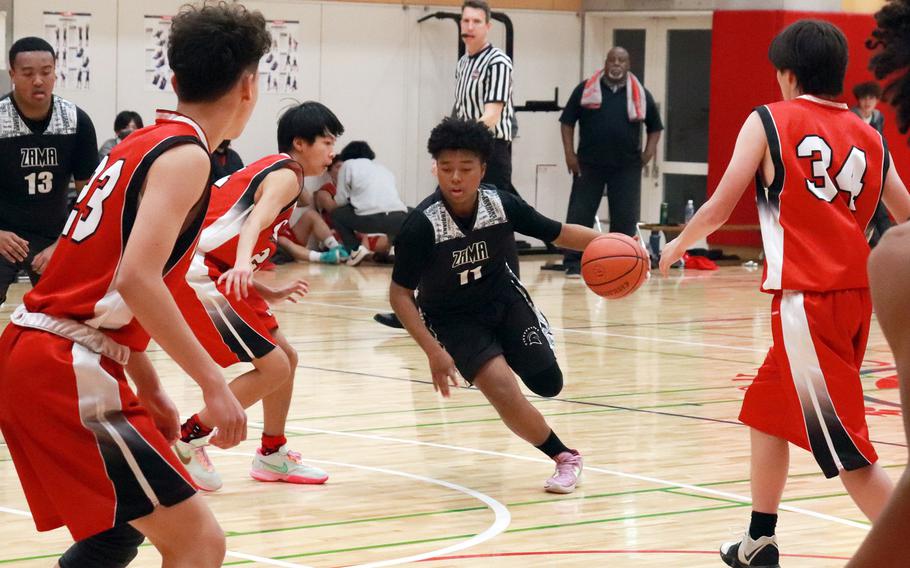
[{"x": 69, "y": 34}]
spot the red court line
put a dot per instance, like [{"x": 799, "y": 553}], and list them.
[{"x": 568, "y": 552}]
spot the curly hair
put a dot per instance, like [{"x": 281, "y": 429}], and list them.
[
  {"x": 891, "y": 40},
  {"x": 457, "y": 134},
  {"x": 211, "y": 46}
]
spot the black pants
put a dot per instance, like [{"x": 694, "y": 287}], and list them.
[
  {"x": 346, "y": 221},
  {"x": 623, "y": 197},
  {"x": 499, "y": 173},
  {"x": 880, "y": 223},
  {"x": 9, "y": 271}
]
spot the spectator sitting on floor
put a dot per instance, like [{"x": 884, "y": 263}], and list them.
[
  {"x": 308, "y": 232},
  {"x": 366, "y": 200}
]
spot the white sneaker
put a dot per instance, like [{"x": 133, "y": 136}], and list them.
[
  {"x": 285, "y": 465},
  {"x": 197, "y": 463},
  {"x": 358, "y": 255},
  {"x": 748, "y": 553}
]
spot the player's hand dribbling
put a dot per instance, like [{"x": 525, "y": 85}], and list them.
[
  {"x": 669, "y": 256},
  {"x": 163, "y": 412},
  {"x": 239, "y": 279},
  {"x": 292, "y": 292},
  {"x": 227, "y": 416},
  {"x": 442, "y": 368},
  {"x": 13, "y": 247}
]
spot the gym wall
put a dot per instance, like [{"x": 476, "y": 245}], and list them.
[{"x": 389, "y": 79}]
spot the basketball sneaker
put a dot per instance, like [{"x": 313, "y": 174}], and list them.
[
  {"x": 573, "y": 272},
  {"x": 332, "y": 256},
  {"x": 358, "y": 255},
  {"x": 196, "y": 461},
  {"x": 568, "y": 473},
  {"x": 285, "y": 465},
  {"x": 759, "y": 553}
]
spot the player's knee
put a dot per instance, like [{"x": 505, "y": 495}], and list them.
[
  {"x": 275, "y": 365},
  {"x": 291, "y": 354},
  {"x": 546, "y": 383},
  {"x": 113, "y": 548}
]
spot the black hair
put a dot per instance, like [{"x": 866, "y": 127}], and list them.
[
  {"x": 457, "y": 134},
  {"x": 867, "y": 89},
  {"x": 212, "y": 46},
  {"x": 29, "y": 43},
  {"x": 306, "y": 120},
  {"x": 124, "y": 118},
  {"x": 357, "y": 149},
  {"x": 891, "y": 39},
  {"x": 816, "y": 52},
  {"x": 479, "y": 5}
]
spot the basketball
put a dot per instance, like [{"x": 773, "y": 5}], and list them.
[{"x": 614, "y": 265}]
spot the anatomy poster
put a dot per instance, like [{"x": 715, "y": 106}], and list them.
[
  {"x": 157, "y": 70},
  {"x": 70, "y": 35},
  {"x": 278, "y": 70}
]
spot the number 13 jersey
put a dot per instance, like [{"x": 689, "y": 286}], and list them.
[
  {"x": 79, "y": 281},
  {"x": 829, "y": 170}
]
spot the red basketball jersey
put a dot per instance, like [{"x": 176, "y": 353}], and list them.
[
  {"x": 232, "y": 201},
  {"x": 829, "y": 169},
  {"x": 79, "y": 281}
]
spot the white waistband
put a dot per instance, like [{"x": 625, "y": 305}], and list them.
[{"x": 88, "y": 337}]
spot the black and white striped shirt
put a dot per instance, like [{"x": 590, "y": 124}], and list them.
[{"x": 485, "y": 77}]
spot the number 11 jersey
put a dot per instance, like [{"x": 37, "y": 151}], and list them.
[{"x": 829, "y": 170}]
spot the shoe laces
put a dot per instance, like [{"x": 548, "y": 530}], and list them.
[
  {"x": 203, "y": 457},
  {"x": 568, "y": 465}
]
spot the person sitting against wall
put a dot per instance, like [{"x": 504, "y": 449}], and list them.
[
  {"x": 225, "y": 161},
  {"x": 125, "y": 123},
  {"x": 366, "y": 200}
]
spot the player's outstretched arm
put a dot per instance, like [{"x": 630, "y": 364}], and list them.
[
  {"x": 442, "y": 367},
  {"x": 172, "y": 188},
  {"x": 889, "y": 273},
  {"x": 575, "y": 237},
  {"x": 751, "y": 146},
  {"x": 895, "y": 195},
  {"x": 277, "y": 190}
]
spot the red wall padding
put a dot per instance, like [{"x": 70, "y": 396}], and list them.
[{"x": 743, "y": 78}]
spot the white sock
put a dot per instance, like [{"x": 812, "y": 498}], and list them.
[
  {"x": 314, "y": 256},
  {"x": 330, "y": 242}
]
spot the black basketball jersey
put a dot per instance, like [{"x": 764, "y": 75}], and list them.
[
  {"x": 37, "y": 161},
  {"x": 459, "y": 265}
]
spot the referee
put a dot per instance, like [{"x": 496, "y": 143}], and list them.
[{"x": 483, "y": 90}]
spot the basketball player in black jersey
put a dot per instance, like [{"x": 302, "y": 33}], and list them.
[
  {"x": 44, "y": 142},
  {"x": 471, "y": 312}
]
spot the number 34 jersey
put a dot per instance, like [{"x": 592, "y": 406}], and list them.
[
  {"x": 829, "y": 170},
  {"x": 79, "y": 281}
]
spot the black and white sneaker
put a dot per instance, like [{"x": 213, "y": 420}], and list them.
[{"x": 748, "y": 553}]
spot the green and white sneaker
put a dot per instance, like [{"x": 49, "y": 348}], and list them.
[
  {"x": 285, "y": 465},
  {"x": 197, "y": 463}
]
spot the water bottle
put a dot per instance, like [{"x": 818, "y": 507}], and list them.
[{"x": 690, "y": 211}]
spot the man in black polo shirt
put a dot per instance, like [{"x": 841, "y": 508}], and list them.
[
  {"x": 471, "y": 311},
  {"x": 44, "y": 142},
  {"x": 610, "y": 109}
]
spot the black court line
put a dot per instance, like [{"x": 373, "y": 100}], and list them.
[{"x": 566, "y": 400}]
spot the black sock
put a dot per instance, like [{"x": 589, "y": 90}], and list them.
[
  {"x": 762, "y": 524},
  {"x": 553, "y": 446}
]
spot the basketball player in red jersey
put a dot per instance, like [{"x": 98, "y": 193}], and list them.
[
  {"x": 820, "y": 173},
  {"x": 228, "y": 310},
  {"x": 87, "y": 449},
  {"x": 889, "y": 274}
]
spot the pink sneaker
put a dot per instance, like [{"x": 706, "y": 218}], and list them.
[
  {"x": 285, "y": 465},
  {"x": 568, "y": 473}
]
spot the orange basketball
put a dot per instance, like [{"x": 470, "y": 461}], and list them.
[{"x": 614, "y": 265}]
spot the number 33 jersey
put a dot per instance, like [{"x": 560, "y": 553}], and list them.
[
  {"x": 79, "y": 281},
  {"x": 829, "y": 170}
]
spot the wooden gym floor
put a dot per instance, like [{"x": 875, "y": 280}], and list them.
[{"x": 653, "y": 390}]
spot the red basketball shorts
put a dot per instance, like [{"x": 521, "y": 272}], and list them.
[
  {"x": 229, "y": 329},
  {"x": 87, "y": 454},
  {"x": 808, "y": 390}
]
